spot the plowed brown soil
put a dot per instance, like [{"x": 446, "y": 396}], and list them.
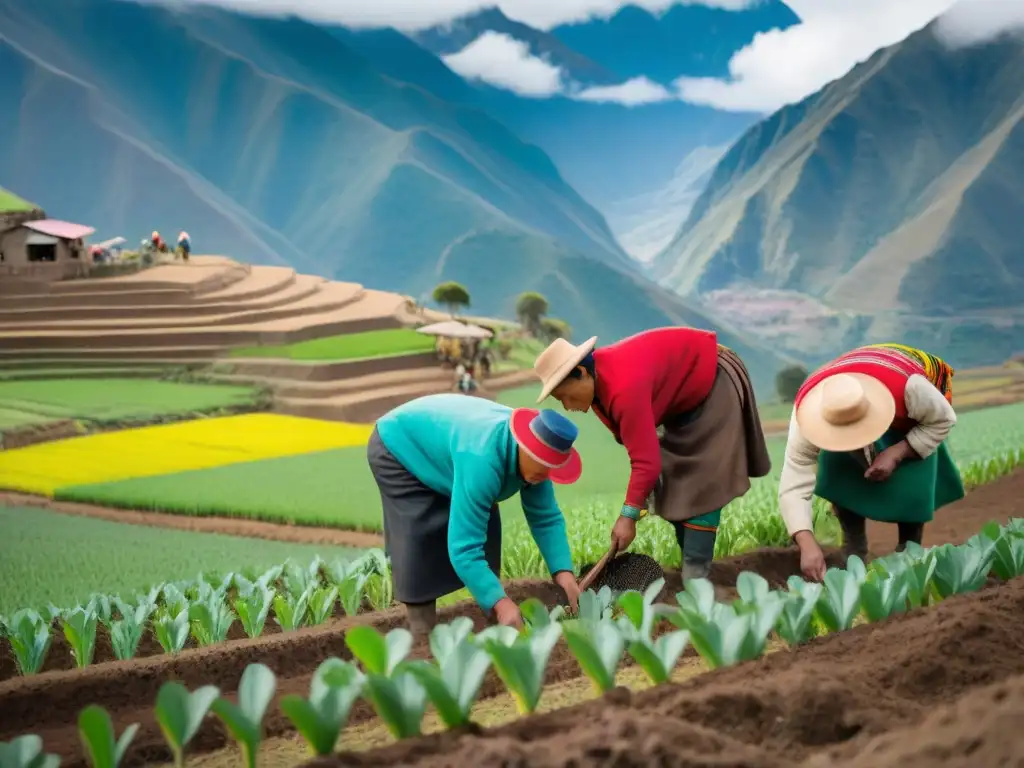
[
  {"x": 893, "y": 672},
  {"x": 789, "y": 707}
]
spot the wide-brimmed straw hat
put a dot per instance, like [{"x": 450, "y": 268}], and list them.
[
  {"x": 846, "y": 412},
  {"x": 556, "y": 362},
  {"x": 547, "y": 436}
]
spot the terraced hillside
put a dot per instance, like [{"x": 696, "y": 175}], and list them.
[{"x": 198, "y": 316}]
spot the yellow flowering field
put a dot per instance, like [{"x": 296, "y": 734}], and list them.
[{"x": 171, "y": 448}]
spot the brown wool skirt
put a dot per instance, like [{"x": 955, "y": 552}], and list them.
[{"x": 709, "y": 454}]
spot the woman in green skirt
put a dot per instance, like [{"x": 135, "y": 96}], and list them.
[{"x": 868, "y": 434}]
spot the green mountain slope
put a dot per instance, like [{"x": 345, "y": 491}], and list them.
[{"x": 885, "y": 206}]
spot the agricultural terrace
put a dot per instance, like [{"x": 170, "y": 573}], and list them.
[{"x": 389, "y": 342}]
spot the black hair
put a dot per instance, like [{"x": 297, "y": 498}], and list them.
[{"x": 587, "y": 363}]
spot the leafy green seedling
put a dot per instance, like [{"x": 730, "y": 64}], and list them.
[
  {"x": 794, "y": 625},
  {"x": 290, "y": 609},
  {"x": 172, "y": 633},
  {"x": 639, "y": 608},
  {"x": 96, "y": 730},
  {"x": 595, "y": 606},
  {"x": 399, "y": 700},
  {"x": 698, "y": 597},
  {"x": 537, "y": 614},
  {"x": 80, "y": 631},
  {"x": 962, "y": 569},
  {"x": 657, "y": 657},
  {"x": 882, "y": 596},
  {"x": 720, "y": 641},
  {"x": 752, "y": 588},
  {"x": 334, "y": 689},
  {"x": 211, "y": 620},
  {"x": 521, "y": 663},
  {"x": 253, "y": 608},
  {"x": 379, "y": 654},
  {"x": 453, "y": 681},
  {"x": 180, "y": 713},
  {"x": 26, "y": 752},
  {"x": 839, "y": 604},
  {"x": 1008, "y": 561},
  {"x": 245, "y": 719},
  {"x": 29, "y": 636},
  {"x": 321, "y": 604},
  {"x": 598, "y": 649},
  {"x": 350, "y": 579}
]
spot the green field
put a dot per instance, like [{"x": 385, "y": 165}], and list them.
[
  {"x": 335, "y": 489},
  {"x": 11, "y": 203},
  {"x": 49, "y": 557},
  {"x": 352, "y": 346},
  {"x": 111, "y": 401}
]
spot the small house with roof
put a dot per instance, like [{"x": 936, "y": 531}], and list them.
[{"x": 35, "y": 247}]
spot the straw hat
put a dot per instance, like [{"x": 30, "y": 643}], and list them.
[
  {"x": 548, "y": 436},
  {"x": 555, "y": 363},
  {"x": 846, "y": 412}
]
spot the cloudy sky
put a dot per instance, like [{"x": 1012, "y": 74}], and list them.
[{"x": 777, "y": 68}]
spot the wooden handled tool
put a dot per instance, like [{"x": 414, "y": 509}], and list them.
[{"x": 587, "y": 580}]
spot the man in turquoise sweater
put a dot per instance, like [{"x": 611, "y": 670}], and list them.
[{"x": 442, "y": 464}]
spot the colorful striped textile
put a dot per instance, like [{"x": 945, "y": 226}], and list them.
[{"x": 937, "y": 370}]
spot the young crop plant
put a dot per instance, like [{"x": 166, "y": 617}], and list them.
[
  {"x": 172, "y": 630},
  {"x": 595, "y": 606},
  {"x": 96, "y": 730},
  {"x": 321, "y": 604},
  {"x": 180, "y": 713},
  {"x": 211, "y": 618},
  {"x": 520, "y": 660},
  {"x": 29, "y": 636},
  {"x": 379, "y": 589},
  {"x": 253, "y": 607},
  {"x": 537, "y": 615},
  {"x": 1008, "y": 561},
  {"x": 126, "y": 632},
  {"x": 798, "y": 605},
  {"x": 350, "y": 580},
  {"x": 26, "y": 752},
  {"x": 697, "y": 598},
  {"x": 598, "y": 647},
  {"x": 319, "y": 719},
  {"x": 452, "y": 682},
  {"x": 79, "y": 627},
  {"x": 396, "y": 695},
  {"x": 300, "y": 580},
  {"x": 290, "y": 610},
  {"x": 840, "y": 604},
  {"x": 963, "y": 569},
  {"x": 656, "y": 657},
  {"x": 882, "y": 595},
  {"x": 244, "y": 720}
]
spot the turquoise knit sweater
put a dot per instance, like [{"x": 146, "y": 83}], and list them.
[{"x": 462, "y": 447}]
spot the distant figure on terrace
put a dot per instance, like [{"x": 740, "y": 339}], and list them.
[
  {"x": 868, "y": 434},
  {"x": 442, "y": 464},
  {"x": 184, "y": 245},
  {"x": 158, "y": 242},
  {"x": 684, "y": 408}
]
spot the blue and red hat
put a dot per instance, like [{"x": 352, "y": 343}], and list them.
[{"x": 547, "y": 436}]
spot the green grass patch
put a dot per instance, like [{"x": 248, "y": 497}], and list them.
[
  {"x": 352, "y": 346},
  {"x": 113, "y": 400},
  {"x": 49, "y": 557},
  {"x": 11, "y": 203}
]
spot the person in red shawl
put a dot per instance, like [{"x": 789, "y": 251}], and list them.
[
  {"x": 684, "y": 408},
  {"x": 868, "y": 434}
]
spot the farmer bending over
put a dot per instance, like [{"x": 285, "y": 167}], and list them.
[
  {"x": 442, "y": 464},
  {"x": 868, "y": 434},
  {"x": 711, "y": 444}
]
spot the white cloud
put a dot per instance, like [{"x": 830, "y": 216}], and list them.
[
  {"x": 632, "y": 93},
  {"x": 412, "y": 15},
  {"x": 505, "y": 62},
  {"x": 784, "y": 66},
  {"x": 976, "y": 21}
]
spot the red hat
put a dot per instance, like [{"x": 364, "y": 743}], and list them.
[{"x": 547, "y": 436}]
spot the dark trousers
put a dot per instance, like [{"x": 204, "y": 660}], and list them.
[
  {"x": 698, "y": 547},
  {"x": 855, "y": 537}
]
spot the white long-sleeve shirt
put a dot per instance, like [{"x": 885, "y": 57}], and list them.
[{"x": 925, "y": 404}]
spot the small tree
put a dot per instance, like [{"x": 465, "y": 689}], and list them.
[
  {"x": 452, "y": 295},
  {"x": 788, "y": 382},
  {"x": 530, "y": 308},
  {"x": 552, "y": 328}
]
